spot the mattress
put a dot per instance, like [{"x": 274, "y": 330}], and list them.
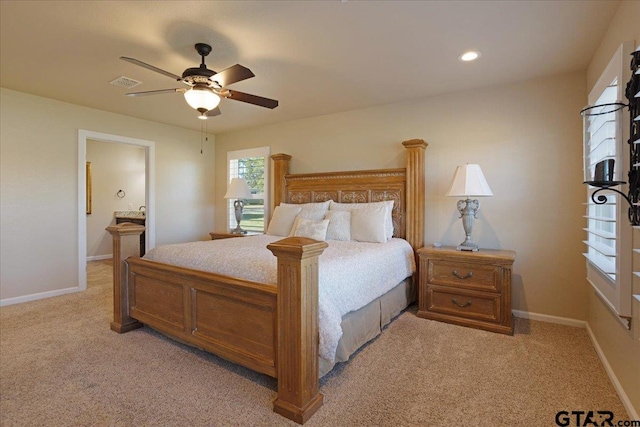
[{"x": 351, "y": 274}]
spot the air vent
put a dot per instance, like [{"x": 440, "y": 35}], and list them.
[{"x": 125, "y": 82}]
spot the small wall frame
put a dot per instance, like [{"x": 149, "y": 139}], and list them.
[{"x": 88, "y": 186}]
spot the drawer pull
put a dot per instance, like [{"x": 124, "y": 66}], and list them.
[
  {"x": 469, "y": 274},
  {"x": 467, "y": 304}
]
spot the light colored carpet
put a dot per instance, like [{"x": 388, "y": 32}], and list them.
[{"x": 61, "y": 365}]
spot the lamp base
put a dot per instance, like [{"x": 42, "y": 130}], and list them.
[
  {"x": 238, "y": 230},
  {"x": 238, "y": 205},
  {"x": 468, "y": 209}
]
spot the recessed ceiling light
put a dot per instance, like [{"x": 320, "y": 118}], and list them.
[{"x": 469, "y": 56}]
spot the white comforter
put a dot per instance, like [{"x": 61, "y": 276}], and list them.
[{"x": 352, "y": 274}]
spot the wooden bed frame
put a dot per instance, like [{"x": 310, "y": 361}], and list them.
[{"x": 273, "y": 330}]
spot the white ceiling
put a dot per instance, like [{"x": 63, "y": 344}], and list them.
[{"x": 315, "y": 57}]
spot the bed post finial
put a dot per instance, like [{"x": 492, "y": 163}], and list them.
[
  {"x": 415, "y": 192},
  {"x": 126, "y": 243},
  {"x": 298, "y": 336},
  {"x": 280, "y": 169}
]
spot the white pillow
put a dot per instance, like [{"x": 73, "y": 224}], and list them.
[
  {"x": 282, "y": 220},
  {"x": 388, "y": 220},
  {"x": 311, "y": 210},
  {"x": 339, "y": 225},
  {"x": 313, "y": 229},
  {"x": 368, "y": 225}
]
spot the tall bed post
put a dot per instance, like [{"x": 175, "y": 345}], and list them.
[
  {"x": 280, "y": 169},
  {"x": 297, "y": 305},
  {"x": 415, "y": 192},
  {"x": 126, "y": 243}
]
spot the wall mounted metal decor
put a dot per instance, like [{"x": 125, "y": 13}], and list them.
[{"x": 604, "y": 180}]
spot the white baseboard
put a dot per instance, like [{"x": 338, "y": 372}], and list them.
[
  {"x": 99, "y": 257},
  {"x": 41, "y": 295},
  {"x": 550, "y": 319},
  {"x": 633, "y": 415}
]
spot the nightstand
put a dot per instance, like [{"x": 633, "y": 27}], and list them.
[
  {"x": 466, "y": 288},
  {"x": 217, "y": 235}
]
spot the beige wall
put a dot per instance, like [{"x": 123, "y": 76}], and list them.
[
  {"x": 114, "y": 167},
  {"x": 624, "y": 26},
  {"x": 527, "y": 138},
  {"x": 38, "y": 195},
  {"x": 620, "y": 347}
]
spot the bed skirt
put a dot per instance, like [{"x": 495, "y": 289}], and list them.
[{"x": 366, "y": 323}]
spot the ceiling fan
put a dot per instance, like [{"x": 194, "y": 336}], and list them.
[{"x": 205, "y": 86}]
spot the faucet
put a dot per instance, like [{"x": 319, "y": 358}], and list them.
[{"x": 142, "y": 208}]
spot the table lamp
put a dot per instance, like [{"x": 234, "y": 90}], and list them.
[
  {"x": 238, "y": 189},
  {"x": 468, "y": 182}
]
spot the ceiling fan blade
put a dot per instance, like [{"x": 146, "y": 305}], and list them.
[
  {"x": 231, "y": 75},
  {"x": 252, "y": 99},
  {"x": 215, "y": 112},
  {"x": 157, "y": 92},
  {"x": 151, "y": 67}
]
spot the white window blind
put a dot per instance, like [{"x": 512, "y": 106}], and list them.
[
  {"x": 608, "y": 234},
  {"x": 252, "y": 165},
  {"x": 600, "y": 144}
]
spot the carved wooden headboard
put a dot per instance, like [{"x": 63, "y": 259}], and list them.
[{"x": 404, "y": 186}]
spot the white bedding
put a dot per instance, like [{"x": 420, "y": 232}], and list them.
[{"x": 352, "y": 274}]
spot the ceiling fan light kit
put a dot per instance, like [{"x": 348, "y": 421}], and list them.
[
  {"x": 206, "y": 87},
  {"x": 201, "y": 98}
]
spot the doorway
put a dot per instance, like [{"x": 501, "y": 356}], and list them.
[{"x": 149, "y": 190}]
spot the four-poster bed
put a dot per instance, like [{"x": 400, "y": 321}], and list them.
[{"x": 270, "y": 329}]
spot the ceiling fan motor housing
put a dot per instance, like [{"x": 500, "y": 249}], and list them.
[{"x": 197, "y": 75}]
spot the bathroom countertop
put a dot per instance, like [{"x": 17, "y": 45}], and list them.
[{"x": 130, "y": 214}]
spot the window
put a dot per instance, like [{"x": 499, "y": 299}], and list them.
[
  {"x": 252, "y": 165},
  {"x": 608, "y": 240}
]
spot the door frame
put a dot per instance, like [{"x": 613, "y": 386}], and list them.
[{"x": 150, "y": 185}]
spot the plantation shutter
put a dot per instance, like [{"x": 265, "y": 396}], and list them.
[
  {"x": 601, "y": 143},
  {"x": 608, "y": 232}
]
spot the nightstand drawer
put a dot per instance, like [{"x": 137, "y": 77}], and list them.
[
  {"x": 460, "y": 303},
  {"x": 463, "y": 275}
]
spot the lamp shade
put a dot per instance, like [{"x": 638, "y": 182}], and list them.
[
  {"x": 468, "y": 180},
  {"x": 238, "y": 189},
  {"x": 201, "y": 97}
]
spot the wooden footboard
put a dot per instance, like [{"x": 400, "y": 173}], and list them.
[
  {"x": 232, "y": 318},
  {"x": 269, "y": 329}
]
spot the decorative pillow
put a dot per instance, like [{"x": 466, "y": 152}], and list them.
[
  {"x": 388, "y": 204},
  {"x": 339, "y": 225},
  {"x": 282, "y": 220},
  {"x": 368, "y": 225},
  {"x": 313, "y": 229},
  {"x": 311, "y": 210}
]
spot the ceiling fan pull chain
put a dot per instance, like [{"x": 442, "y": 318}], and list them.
[{"x": 203, "y": 124}]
